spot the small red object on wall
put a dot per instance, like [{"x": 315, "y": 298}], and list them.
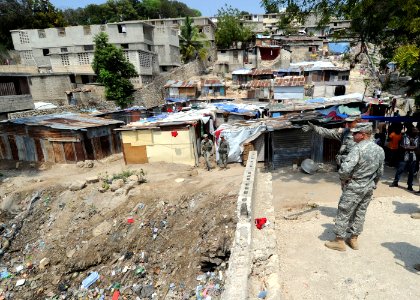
[{"x": 174, "y": 133}]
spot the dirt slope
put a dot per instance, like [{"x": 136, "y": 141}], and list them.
[{"x": 183, "y": 225}]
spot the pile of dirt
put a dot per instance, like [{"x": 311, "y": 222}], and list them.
[{"x": 166, "y": 235}]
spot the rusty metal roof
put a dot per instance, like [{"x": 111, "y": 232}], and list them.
[
  {"x": 257, "y": 72},
  {"x": 213, "y": 82},
  {"x": 65, "y": 121},
  {"x": 290, "y": 81},
  {"x": 258, "y": 84},
  {"x": 180, "y": 83}
]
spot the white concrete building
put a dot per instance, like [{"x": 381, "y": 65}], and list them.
[{"x": 71, "y": 49}]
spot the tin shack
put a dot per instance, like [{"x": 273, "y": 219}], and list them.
[{"x": 59, "y": 138}]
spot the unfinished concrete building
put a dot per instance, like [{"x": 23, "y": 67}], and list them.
[
  {"x": 14, "y": 91},
  {"x": 70, "y": 50},
  {"x": 204, "y": 25}
]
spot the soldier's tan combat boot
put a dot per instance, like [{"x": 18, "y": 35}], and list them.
[
  {"x": 415, "y": 215},
  {"x": 337, "y": 244},
  {"x": 352, "y": 242}
]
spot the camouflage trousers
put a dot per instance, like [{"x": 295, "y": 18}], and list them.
[
  {"x": 223, "y": 159},
  {"x": 351, "y": 211},
  {"x": 207, "y": 155}
]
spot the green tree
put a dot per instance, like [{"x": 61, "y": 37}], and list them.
[
  {"x": 26, "y": 14},
  {"x": 113, "y": 71},
  {"x": 269, "y": 6},
  {"x": 191, "y": 42},
  {"x": 230, "y": 31}
]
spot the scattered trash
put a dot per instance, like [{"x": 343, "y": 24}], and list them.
[
  {"x": 179, "y": 180},
  {"x": 309, "y": 166},
  {"x": 116, "y": 295},
  {"x": 262, "y": 295},
  {"x": 43, "y": 263},
  {"x": 20, "y": 282},
  {"x": 4, "y": 274},
  {"x": 19, "y": 268},
  {"x": 91, "y": 279},
  {"x": 260, "y": 222},
  {"x": 130, "y": 220},
  {"x": 172, "y": 286},
  {"x": 128, "y": 255},
  {"x": 155, "y": 233},
  {"x": 141, "y": 272},
  {"x": 63, "y": 286},
  {"x": 210, "y": 286}
]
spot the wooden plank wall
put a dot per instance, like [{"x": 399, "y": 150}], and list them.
[{"x": 44, "y": 145}]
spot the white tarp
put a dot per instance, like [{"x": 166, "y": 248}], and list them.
[
  {"x": 235, "y": 136},
  {"x": 44, "y": 105}
]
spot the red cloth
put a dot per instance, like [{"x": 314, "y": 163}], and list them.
[
  {"x": 116, "y": 295},
  {"x": 174, "y": 133},
  {"x": 259, "y": 222},
  {"x": 334, "y": 116},
  {"x": 217, "y": 133}
]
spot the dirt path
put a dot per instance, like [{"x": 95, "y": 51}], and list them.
[{"x": 390, "y": 244}]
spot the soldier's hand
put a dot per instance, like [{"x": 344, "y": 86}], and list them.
[{"x": 308, "y": 127}]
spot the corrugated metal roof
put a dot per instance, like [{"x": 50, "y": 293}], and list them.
[
  {"x": 258, "y": 84},
  {"x": 213, "y": 82},
  {"x": 257, "y": 72},
  {"x": 242, "y": 72},
  {"x": 65, "y": 121},
  {"x": 180, "y": 83},
  {"x": 290, "y": 81}
]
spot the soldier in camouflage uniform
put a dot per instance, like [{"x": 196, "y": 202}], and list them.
[
  {"x": 359, "y": 174},
  {"x": 207, "y": 150},
  {"x": 223, "y": 151},
  {"x": 341, "y": 134}
]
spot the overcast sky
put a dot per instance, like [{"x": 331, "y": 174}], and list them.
[{"x": 208, "y": 8}]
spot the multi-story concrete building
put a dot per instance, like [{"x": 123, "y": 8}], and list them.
[
  {"x": 269, "y": 23},
  {"x": 205, "y": 26},
  {"x": 71, "y": 49}
]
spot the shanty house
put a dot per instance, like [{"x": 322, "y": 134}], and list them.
[
  {"x": 289, "y": 87},
  {"x": 213, "y": 87},
  {"x": 260, "y": 74},
  {"x": 302, "y": 48},
  {"x": 232, "y": 59},
  {"x": 59, "y": 138},
  {"x": 181, "y": 89},
  {"x": 173, "y": 142},
  {"x": 241, "y": 76},
  {"x": 327, "y": 79},
  {"x": 259, "y": 89}
]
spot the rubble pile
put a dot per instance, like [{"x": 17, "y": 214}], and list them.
[{"x": 116, "y": 236}]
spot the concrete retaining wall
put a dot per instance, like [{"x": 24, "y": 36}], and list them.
[
  {"x": 237, "y": 283},
  {"x": 254, "y": 263}
]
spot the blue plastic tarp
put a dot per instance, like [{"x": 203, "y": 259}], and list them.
[
  {"x": 392, "y": 119},
  {"x": 339, "y": 48},
  {"x": 315, "y": 100},
  {"x": 234, "y": 109},
  {"x": 176, "y": 100}
]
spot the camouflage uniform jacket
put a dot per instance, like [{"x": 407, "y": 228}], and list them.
[
  {"x": 341, "y": 134},
  {"x": 223, "y": 147},
  {"x": 363, "y": 166},
  {"x": 206, "y": 146}
]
